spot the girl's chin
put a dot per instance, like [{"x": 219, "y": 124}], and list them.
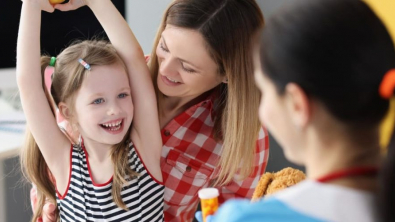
[
  {"x": 293, "y": 158},
  {"x": 112, "y": 141}
]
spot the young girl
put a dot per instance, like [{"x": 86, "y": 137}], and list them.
[
  {"x": 114, "y": 173},
  {"x": 327, "y": 68}
]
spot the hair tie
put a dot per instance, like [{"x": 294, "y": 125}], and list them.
[
  {"x": 387, "y": 85},
  {"x": 49, "y": 70},
  {"x": 52, "y": 61},
  {"x": 85, "y": 64}
]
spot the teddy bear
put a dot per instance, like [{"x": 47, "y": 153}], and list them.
[{"x": 271, "y": 183}]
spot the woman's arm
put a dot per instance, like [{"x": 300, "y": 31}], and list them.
[
  {"x": 246, "y": 187},
  {"x": 52, "y": 143}
]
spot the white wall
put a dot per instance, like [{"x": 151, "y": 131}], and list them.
[{"x": 144, "y": 18}]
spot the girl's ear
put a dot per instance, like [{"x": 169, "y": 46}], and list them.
[
  {"x": 299, "y": 105},
  {"x": 65, "y": 111}
]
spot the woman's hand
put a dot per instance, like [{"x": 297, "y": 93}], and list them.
[
  {"x": 44, "y": 5},
  {"x": 49, "y": 212},
  {"x": 72, "y": 5}
]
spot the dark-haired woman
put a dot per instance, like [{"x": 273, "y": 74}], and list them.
[{"x": 326, "y": 67}]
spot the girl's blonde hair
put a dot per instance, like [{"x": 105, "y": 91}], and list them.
[
  {"x": 66, "y": 81},
  {"x": 227, "y": 27}
]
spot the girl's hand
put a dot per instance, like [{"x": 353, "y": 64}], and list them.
[
  {"x": 199, "y": 217},
  {"x": 72, "y": 5},
  {"x": 44, "y": 5}
]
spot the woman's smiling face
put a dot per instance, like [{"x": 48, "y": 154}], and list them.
[{"x": 186, "y": 68}]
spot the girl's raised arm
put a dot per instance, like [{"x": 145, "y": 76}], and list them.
[
  {"x": 53, "y": 145},
  {"x": 145, "y": 119}
]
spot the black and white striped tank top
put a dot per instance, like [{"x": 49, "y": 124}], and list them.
[{"x": 85, "y": 200}]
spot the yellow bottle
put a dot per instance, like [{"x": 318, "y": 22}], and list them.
[{"x": 209, "y": 201}]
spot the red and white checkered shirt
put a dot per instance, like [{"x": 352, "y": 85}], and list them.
[{"x": 189, "y": 157}]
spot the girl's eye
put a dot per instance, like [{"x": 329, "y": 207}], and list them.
[
  {"x": 163, "y": 48},
  {"x": 122, "y": 95},
  {"x": 98, "y": 101}
]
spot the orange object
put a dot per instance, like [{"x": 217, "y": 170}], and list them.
[
  {"x": 209, "y": 201},
  {"x": 388, "y": 84},
  {"x": 53, "y": 2}
]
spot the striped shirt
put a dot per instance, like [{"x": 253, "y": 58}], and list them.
[{"x": 84, "y": 200}]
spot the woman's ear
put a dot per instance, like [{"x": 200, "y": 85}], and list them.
[{"x": 298, "y": 103}]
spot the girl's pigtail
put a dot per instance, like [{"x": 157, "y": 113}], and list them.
[
  {"x": 120, "y": 159},
  {"x": 34, "y": 167}
]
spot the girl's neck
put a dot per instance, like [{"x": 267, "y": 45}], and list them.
[
  {"x": 97, "y": 152},
  {"x": 326, "y": 156}
]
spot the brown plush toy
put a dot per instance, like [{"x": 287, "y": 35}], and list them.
[{"x": 272, "y": 182}]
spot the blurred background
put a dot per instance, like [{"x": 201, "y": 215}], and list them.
[{"x": 58, "y": 30}]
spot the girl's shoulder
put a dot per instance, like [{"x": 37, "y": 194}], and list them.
[
  {"x": 272, "y": 210},
  {"x": 306, "y": 201},
  {"x": 78, "y": 151}
]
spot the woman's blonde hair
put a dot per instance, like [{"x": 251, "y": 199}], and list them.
[
  {"x": 66, "y": 81},
  {"x": 227, "y": 27}
]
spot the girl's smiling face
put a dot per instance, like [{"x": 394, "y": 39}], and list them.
[{"x": 103, "y": 105}]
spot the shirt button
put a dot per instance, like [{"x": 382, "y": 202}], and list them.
[
  {"x": 188, "y": 169},
  {"x": 167, "y": 133}
]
